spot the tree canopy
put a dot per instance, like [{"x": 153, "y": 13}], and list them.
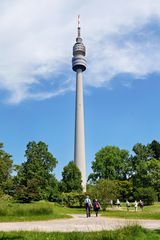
[
  {"x": 119, "y": 173},
  {"x": 71, "y": 178},
  {"x": 145, "y": 168},
  {"x": 110, "y": 163},
  {"x": 35, "y": 179},
  {"x": 6, "y": 165},
  {"x": 155, "y": 146},
  {"x": 142, "y": 168}
]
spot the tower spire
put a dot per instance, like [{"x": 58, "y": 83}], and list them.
[{"x": 79, "y": 28}]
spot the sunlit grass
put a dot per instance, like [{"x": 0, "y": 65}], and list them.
[
  {"x": 149, "y": 212},
  {"x": 13, "y": 211},
  {"x": 129, "y": 233}
]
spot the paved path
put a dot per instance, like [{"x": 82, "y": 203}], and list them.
[{"x": 77, "y": 223}]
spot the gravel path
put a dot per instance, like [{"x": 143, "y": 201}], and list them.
[{"x": 77, "y": 223}]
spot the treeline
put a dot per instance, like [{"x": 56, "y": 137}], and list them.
[
  {"x": 116, "y": 174},
  {"x": 34, "y": 179}
]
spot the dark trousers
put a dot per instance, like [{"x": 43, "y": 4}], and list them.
[
  {"x": 88, "y": 211},
  {"x": 96, "y": 211}
]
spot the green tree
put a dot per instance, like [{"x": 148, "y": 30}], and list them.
[
  {"x": 147, "y": 195},
  {"x": 155, "y": 146},
  {"x": 140, "y": 164},
  {"x": 145, "y": 168},
  {"x": 71, "y": 179},
  {"x": 6, "y": 165},
  {"x": 104, "y": 190},
  {"x": 154, "y": 175},
  {"x": 72, "y": 199},
  {"x": 35, "y": 179},
  {"x": 110, "y": 163},
  {"x": 125, "y": 189}
]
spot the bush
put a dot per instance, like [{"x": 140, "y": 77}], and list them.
[
  {"x": 125, "y": 189},
  {"x": 6, "y": 197},
  {"x": 72, "y": 199},
  {"x": 54, "y": 196},
  {"x": 147, "y": 195},
  {"x": 104, "y": 191}
]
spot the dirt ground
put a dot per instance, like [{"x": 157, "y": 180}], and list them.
[{"x": 77, "y": 223}]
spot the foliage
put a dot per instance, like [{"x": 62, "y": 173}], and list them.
[
  {"x": 139, "y": 163},
  {"x": 110, "y": 163},
  {"x": 154, "y": 174},
  {"x": 6, "y": 197},
  {"x": 125, "y": 189},
  {"x": 147, "y": 195},
  {"x": 55, "y": 195},
  {"x": 6, "y": 165},
  {"x": 72, "y": 199},
  {"x": 71, "y": 179},
  {"x": 104, "y": 190},
  {"x": 145, "y": 168},
  {"x": 35, "y": 179},
  {"x": 125, "y": 175},
  {"x": 129, "y": 173},
  {"x": 129, "y": 233},
  {"x": 155, "y": 146}
]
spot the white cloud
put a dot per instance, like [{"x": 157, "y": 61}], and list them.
[{"x": 37, "y": 38}]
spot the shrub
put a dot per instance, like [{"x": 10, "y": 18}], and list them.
[
  {"x": 54, "y": 196},
  {"x": 72, "y": 199},
  {"x": 125, "y": 189},
  {"x": 6, "y": 197},
  {"x": 104, "y": 191},
  {"x": 147, "y": 195}
]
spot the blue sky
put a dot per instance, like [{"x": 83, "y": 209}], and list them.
[{"x": 37, "y": 84}]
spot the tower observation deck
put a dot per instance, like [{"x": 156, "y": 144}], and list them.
[{"x": 79, "y": 65}]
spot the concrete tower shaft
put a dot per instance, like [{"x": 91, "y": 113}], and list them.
[{"x": 79, "y": 65}]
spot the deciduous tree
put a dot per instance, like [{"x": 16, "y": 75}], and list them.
[
  {"x": 104, "y": 190},
  {"x": 71, "y": 178},
  {"x": 6, "y": 165},
  {"x": 110, "y": 163},
  {"x": 155, "y": 146},
  {"x": 35, "y": 179}
]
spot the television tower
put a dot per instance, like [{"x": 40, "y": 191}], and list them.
[{"x": 79, "y": 65}]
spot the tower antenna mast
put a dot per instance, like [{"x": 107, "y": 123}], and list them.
[{"x": 79, "y": 28}]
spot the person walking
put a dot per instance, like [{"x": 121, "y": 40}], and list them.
[
  {"x": 135, "y": 205},
  {"x": 96, "y": 206},
  {"x": 141, "y": 205},
  {"x": 127, "y": 205},
  {"x": 118, "y": 203},
  {"x": 88, "y": 205},
  {"x": 111, "y": 203}
]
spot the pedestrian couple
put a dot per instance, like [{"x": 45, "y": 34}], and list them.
[
  {"x": 89, "y": 205},
  {"x": 135, "y": 205}
]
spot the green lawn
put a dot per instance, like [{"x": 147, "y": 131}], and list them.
[
  {"x": 149, "y": 212},
  {"x": 13, "y": 211},
  {"x": 129, "y": 233}
]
